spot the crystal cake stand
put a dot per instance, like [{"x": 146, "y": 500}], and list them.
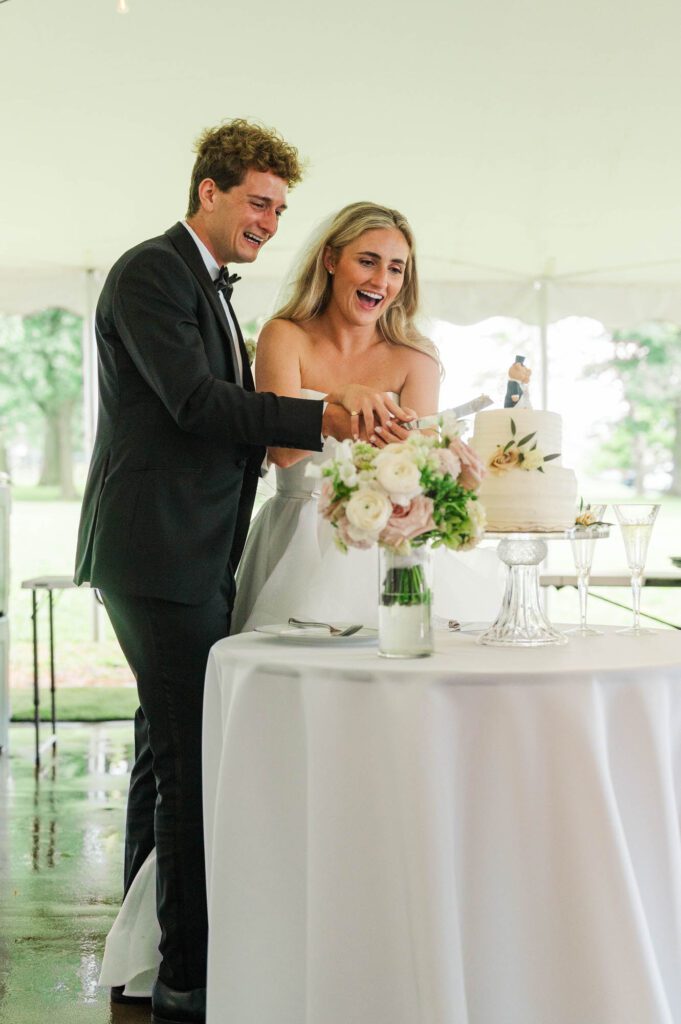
[{"x": 521, "y": 621}]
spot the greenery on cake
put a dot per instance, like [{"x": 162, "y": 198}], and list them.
[{"x": 519, "y": 454}]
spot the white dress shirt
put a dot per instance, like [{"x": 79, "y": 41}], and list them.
[{"x": 213, "y": 268}]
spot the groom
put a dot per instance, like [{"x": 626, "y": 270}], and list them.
[{"x": 180, "y": 441}]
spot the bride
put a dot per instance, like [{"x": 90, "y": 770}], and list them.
[{"x": 350, "y": 319}]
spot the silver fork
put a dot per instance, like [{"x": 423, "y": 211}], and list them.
[{"x": 333, "y": 630}]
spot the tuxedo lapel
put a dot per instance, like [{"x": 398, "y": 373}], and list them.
[
  {"x": 247, "y": 375},
  {"x": 186, "y": 246}
]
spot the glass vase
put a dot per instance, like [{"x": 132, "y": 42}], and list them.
[{"x": 405, "y": 604}]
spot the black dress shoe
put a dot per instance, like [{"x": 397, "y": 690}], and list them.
[
  {"x": 168, "y": 1006},
  {"x": 117, "y": 996}
]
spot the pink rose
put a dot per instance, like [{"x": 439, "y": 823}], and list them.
[
  {"x": 449, "y": 461},
  {"x": 472, "y": 469},
  {"x": 327, "y": 506},
  {"x": 408, "y": 521},
  {"x": 346, "y": 534}
]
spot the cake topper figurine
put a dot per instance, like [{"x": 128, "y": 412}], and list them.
[{"x": 517, "y": 390}]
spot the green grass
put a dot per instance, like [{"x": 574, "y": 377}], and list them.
[
  {"x": 78, "y": 704},
  {"x": 31, "y": 492},
  {"x": 43, "y": 542}
]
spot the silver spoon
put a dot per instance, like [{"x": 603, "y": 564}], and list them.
[{"x": 333, "y": 630}]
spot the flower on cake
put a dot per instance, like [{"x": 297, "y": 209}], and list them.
[
  {"x": 532, "y": 460},
  {"x": 407, "y": 494},
  {"x": 585, "y": 519},
  {"x": 503, "y": 460},
  {"x": 588, "y": 516},
  {"x": 517, "y": 455}
]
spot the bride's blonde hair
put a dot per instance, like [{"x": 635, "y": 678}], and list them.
[{"x": 311, "y": 286}]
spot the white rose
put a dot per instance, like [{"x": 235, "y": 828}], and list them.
[
  {"x": 399, "y": 475},
  {"x": 348, "y": 474},
  {"x": 532, "y": 460},
  {"x": 367, "y": 512}
]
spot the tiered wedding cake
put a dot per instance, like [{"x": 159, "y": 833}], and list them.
[{"x": 526, "y": 488}]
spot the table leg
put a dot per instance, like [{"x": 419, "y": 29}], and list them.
[
  {"x": 36, "y": 689},
  {"x": 53, "y": 698}
]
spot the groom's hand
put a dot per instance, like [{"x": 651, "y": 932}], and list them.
[{"x": 337, "y": 422}]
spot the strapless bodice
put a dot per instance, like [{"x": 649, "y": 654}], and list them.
[{"x": 292, "y": 482}]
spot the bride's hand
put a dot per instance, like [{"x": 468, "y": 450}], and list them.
[
  {"x": 381, "y": 436},
  {"x": 377, "y": 408}
]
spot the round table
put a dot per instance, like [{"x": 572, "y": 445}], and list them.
[{"x": 487, "y": 836}]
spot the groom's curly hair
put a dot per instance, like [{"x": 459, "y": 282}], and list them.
[{"x": 226, "y": 152}]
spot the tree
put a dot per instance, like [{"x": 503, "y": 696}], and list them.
[
  {"x": 9, "y": 406},
  {"x": 646, "y": 366},
  {"x": 41, "y": 367}
]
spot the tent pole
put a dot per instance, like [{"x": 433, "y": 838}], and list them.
[
  {"x": 90, "y": 402},
  {"x": 89, "y": 362},
  {"x": 543, "y": 317},
  {"x": 541, "y": 287}
]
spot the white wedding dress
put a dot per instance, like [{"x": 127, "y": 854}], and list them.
[{"x": 291, "y": 567}]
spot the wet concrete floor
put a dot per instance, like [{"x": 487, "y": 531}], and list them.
[{"x": 61, "y": 856}]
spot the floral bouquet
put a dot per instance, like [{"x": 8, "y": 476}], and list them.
[{"x": 403, "y": 497}]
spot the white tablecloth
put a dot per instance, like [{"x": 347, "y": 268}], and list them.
[{"x": 488, "y": 836}]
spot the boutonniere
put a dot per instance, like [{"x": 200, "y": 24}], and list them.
[{"x": 250, "y": 345}]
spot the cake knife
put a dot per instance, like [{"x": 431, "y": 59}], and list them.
[{"x": 458, "y": 412}]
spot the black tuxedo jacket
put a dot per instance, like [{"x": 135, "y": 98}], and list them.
[{"x": 179, "y": 444}]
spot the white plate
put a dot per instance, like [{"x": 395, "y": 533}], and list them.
[{"x": 314, "y": 635}]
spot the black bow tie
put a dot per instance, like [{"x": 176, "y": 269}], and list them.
[{"x": 225, "y": 282}]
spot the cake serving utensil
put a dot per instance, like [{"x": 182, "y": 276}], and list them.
[{"x": 458, "y": 412}]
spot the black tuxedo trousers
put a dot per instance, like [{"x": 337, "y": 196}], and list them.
[{"x": 165, "y": 644}]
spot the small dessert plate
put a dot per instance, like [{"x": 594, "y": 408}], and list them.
[{"x": 315, "y": 635}]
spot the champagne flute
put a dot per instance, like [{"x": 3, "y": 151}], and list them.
[
  {"x": 582, "y": 543},
  {"x": 636, "y": 523}
]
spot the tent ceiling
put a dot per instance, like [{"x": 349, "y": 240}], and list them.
[{"x": 523, "y": 140}]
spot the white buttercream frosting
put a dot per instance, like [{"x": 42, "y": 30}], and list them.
[{"x": 525, "y": 500}]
